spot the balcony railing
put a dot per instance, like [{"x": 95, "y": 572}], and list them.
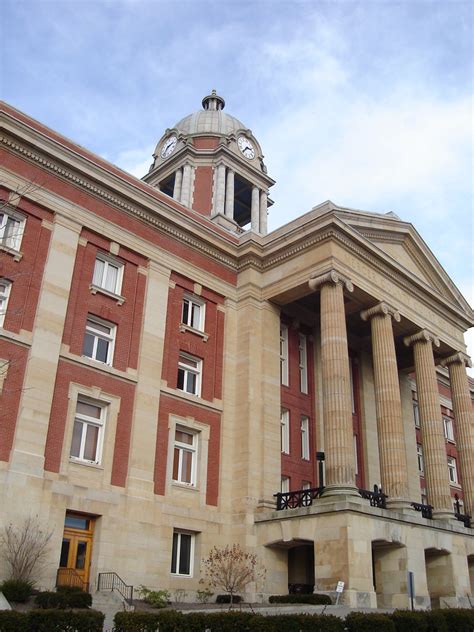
[
  {"x": 297, "y": 499},
  {"x": 426, "y": 510},
  {"x": 111, "y": 581},
  {"x": 69, "y": 577},
  {"x": 464, "y": 518},
  {"x": 377, "y": 498}
]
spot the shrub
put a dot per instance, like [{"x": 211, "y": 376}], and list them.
[
  {"x": 407, "y": 621},
  {"x": 156, "y": 598},
  {"x": 459, "y": 619},
  {"x": 227, "y": 598},
  {"x": 435, "y": 621},
  {"x": 361, "y": 622},
  {"x": 63, "y": 599},
  {"x": 203, "y": 596},
  {"x": 51, "y": 621},
  {"x": 79, "y": 599},
  {"x": 315, "y": 599},
  {"x": 16, "y": 590}
]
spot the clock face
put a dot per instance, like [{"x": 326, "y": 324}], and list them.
[
  {"x": 168, "y": 147},
  {"x": 246, "y": 147}
]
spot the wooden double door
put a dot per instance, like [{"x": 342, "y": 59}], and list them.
[{"x": 76, "y": 550}]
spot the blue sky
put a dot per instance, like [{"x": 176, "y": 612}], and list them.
[{"x": 369, "y": 104}]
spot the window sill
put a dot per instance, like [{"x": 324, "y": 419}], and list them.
[
  {"x": 183, "y": 328},
  {"x": 16, "y": 254},
  {"x": 95, "y": 466},
  {"x": 186, "y": 486},
  {"x": 95, "y": 289}
]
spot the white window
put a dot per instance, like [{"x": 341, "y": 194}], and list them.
[
  {"x": 99, "y": 340},
  {"x": 185, "y": 456},
  {"x": 356, "y": 455},
  {"x": 452, "y": 470},
  {"x": 11, "y": 230},
  {"x": 285, "y": 431},
  {"x": 304, "y": 437},
  {"x": 303, "y": 363},
  {"x": 108, "y": 274},
  {"x": 419, "y": 456},
  {"x": 306, "y": 485},
  {"x": 182, "y": 554},
  {"x": 448, "y": 428},
  {"x": 87, "y": 436},
  {"x": 424, "y": 497},
  {"x": 193, "y": 312},
  {"x": 416, "y": 414},
  {"x": 189, "y": 374},
  {"x": 284, "y": 355},
  {"x": 4, "y": 294},
  {"x": 285, "y": 484}
]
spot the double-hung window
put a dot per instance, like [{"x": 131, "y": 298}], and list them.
[
  {"x": 189, "y": 374},
  {"x": 285, "y": 431},
  {"x": 108, "y": 274},
  {"x": 452, "y": 470},
  {"x": 87, "y": 437},
  {"x": 419, "y": 456},
  {"x": 185, "y": 457},
  {"x": 5, "y": 286},
  {"x": 416, "y": 414},
  {"x": 11, "y": 230},
  {"x": 448, "y": 428},
  {"x": 99, "y": 340},
  {"x": 303, "y": 362},
  {"x": 182, "y": 553},
  {"x": 304, "y": 437},
  {"x": 285, "y": 484},
  {"x": 193, "y": 312},
  {"x": 284, "y": 355}
]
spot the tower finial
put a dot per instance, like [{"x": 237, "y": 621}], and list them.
[{"x": 213, "y": 101}]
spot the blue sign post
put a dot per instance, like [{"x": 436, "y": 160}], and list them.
[{"x": 411, "y": 588}]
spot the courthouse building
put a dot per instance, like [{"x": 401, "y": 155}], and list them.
[{"x": 173, "y": 376}]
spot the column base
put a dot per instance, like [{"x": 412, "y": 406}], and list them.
[
  {"x": 401, "y": 504},
  {"x": 340, "y": 490},
  {"x": 443, "y": 514}
]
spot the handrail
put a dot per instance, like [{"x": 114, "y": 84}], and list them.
[
  {"x": 111, "y": 581},
  {"x": 298, "y": 498},
  {"x": 69, "y": 577}
]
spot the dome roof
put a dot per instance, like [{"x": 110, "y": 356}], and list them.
[{"x": 211, "y": 119}]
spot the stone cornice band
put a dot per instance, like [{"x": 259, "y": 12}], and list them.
[
  {"x": 330, "y": 277},
  {"x": 422, "y": 336},
  {"x": 458, "y": 357},
  {"x": 381, "y": 309}
]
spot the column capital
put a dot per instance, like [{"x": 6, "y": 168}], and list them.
[
  {"x": 421, "y": 336},
  {"x": 334, "y": 277},
  {"x": 457, "y": 358},
  {"x": 381, "y": 309}
]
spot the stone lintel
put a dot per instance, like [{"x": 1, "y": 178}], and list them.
[
  {"x": 381, "y": 309},
  {"x": 333, "y": 276},
  {"x": 459, "y": 357},
  {"x": 422, "y": 336}
]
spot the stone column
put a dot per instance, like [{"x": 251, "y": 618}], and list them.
[
  {"x": 186, "y": 185},
  {"x": 255, "y": 209},
  {"x": 229, "y": 195},
  {"x": 391, "y": 437},
  {"x": 263, "y": 212},
  {"x": 464, "y": 418},
  {"x": 337, "y": 407},
  {"x": 220, "y": 189},
  {"x": 178, "y": 180},
  {"x": 431, "y": 424}
]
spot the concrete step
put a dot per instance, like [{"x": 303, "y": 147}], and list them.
[{"x": 109, "y": 602}]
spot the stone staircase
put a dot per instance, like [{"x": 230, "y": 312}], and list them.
[{"x": 109, "y": 602}]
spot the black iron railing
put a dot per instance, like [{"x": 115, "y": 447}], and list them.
[
  {"x": 111, "y": 581},
  {"x": 296, "y": 499},
  {"x": 464, "y": 518},
  {"x": 69, "y": 577},
  {"x": 377, "y": 498},
  {"x": 426, "y": 510}
]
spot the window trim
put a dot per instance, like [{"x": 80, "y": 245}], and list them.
[
  {"x": 189, "y": 369},
  {"x": 100, "y": 335},
  {"x": 448, "y": 433},
  {"x": 452, "y": 469},
  {"x": 16, "y": 240},
  {"x": 420, "y": 461},
  {"x": 186, "y": 447},
  {"x": 285, "y": 484},
  {"x": 4, "y": 299},
  {"x": 194, "y": 301},
  {"x": 305, "y": 450},
  {"x": 303, "y": 362},
  {"x": 416, "y": 414},
  {"x": 284, "y": 373},
  {"x": 179, "y": 533},
  {"x": 107, "y": 260},
  {"x": 89, "y": 421},
  {"x": 285, "y": 431}
]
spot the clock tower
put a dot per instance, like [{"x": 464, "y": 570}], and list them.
[{"x": 212, "y": 163}]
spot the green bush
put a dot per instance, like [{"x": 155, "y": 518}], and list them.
[
  {"x": 226, "y": 599},
  {"x": 435, "y": 621},
  {"x": 16, "y": 590},
  {"x": 318, "y": 600},
  {"x": 362, "y": 622},
  {"x": 407, "y": 621},
  {"x": 63, "y": 599},
  {"x": 155, "y": 598},
  {"x": 51, "y": 621},
  {"x": 458, "y": 619}
]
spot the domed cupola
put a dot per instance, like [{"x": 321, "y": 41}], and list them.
[{"x": 210, "y": 162}]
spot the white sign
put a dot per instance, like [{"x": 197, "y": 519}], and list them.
[{"x": 340, "y": 587}]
